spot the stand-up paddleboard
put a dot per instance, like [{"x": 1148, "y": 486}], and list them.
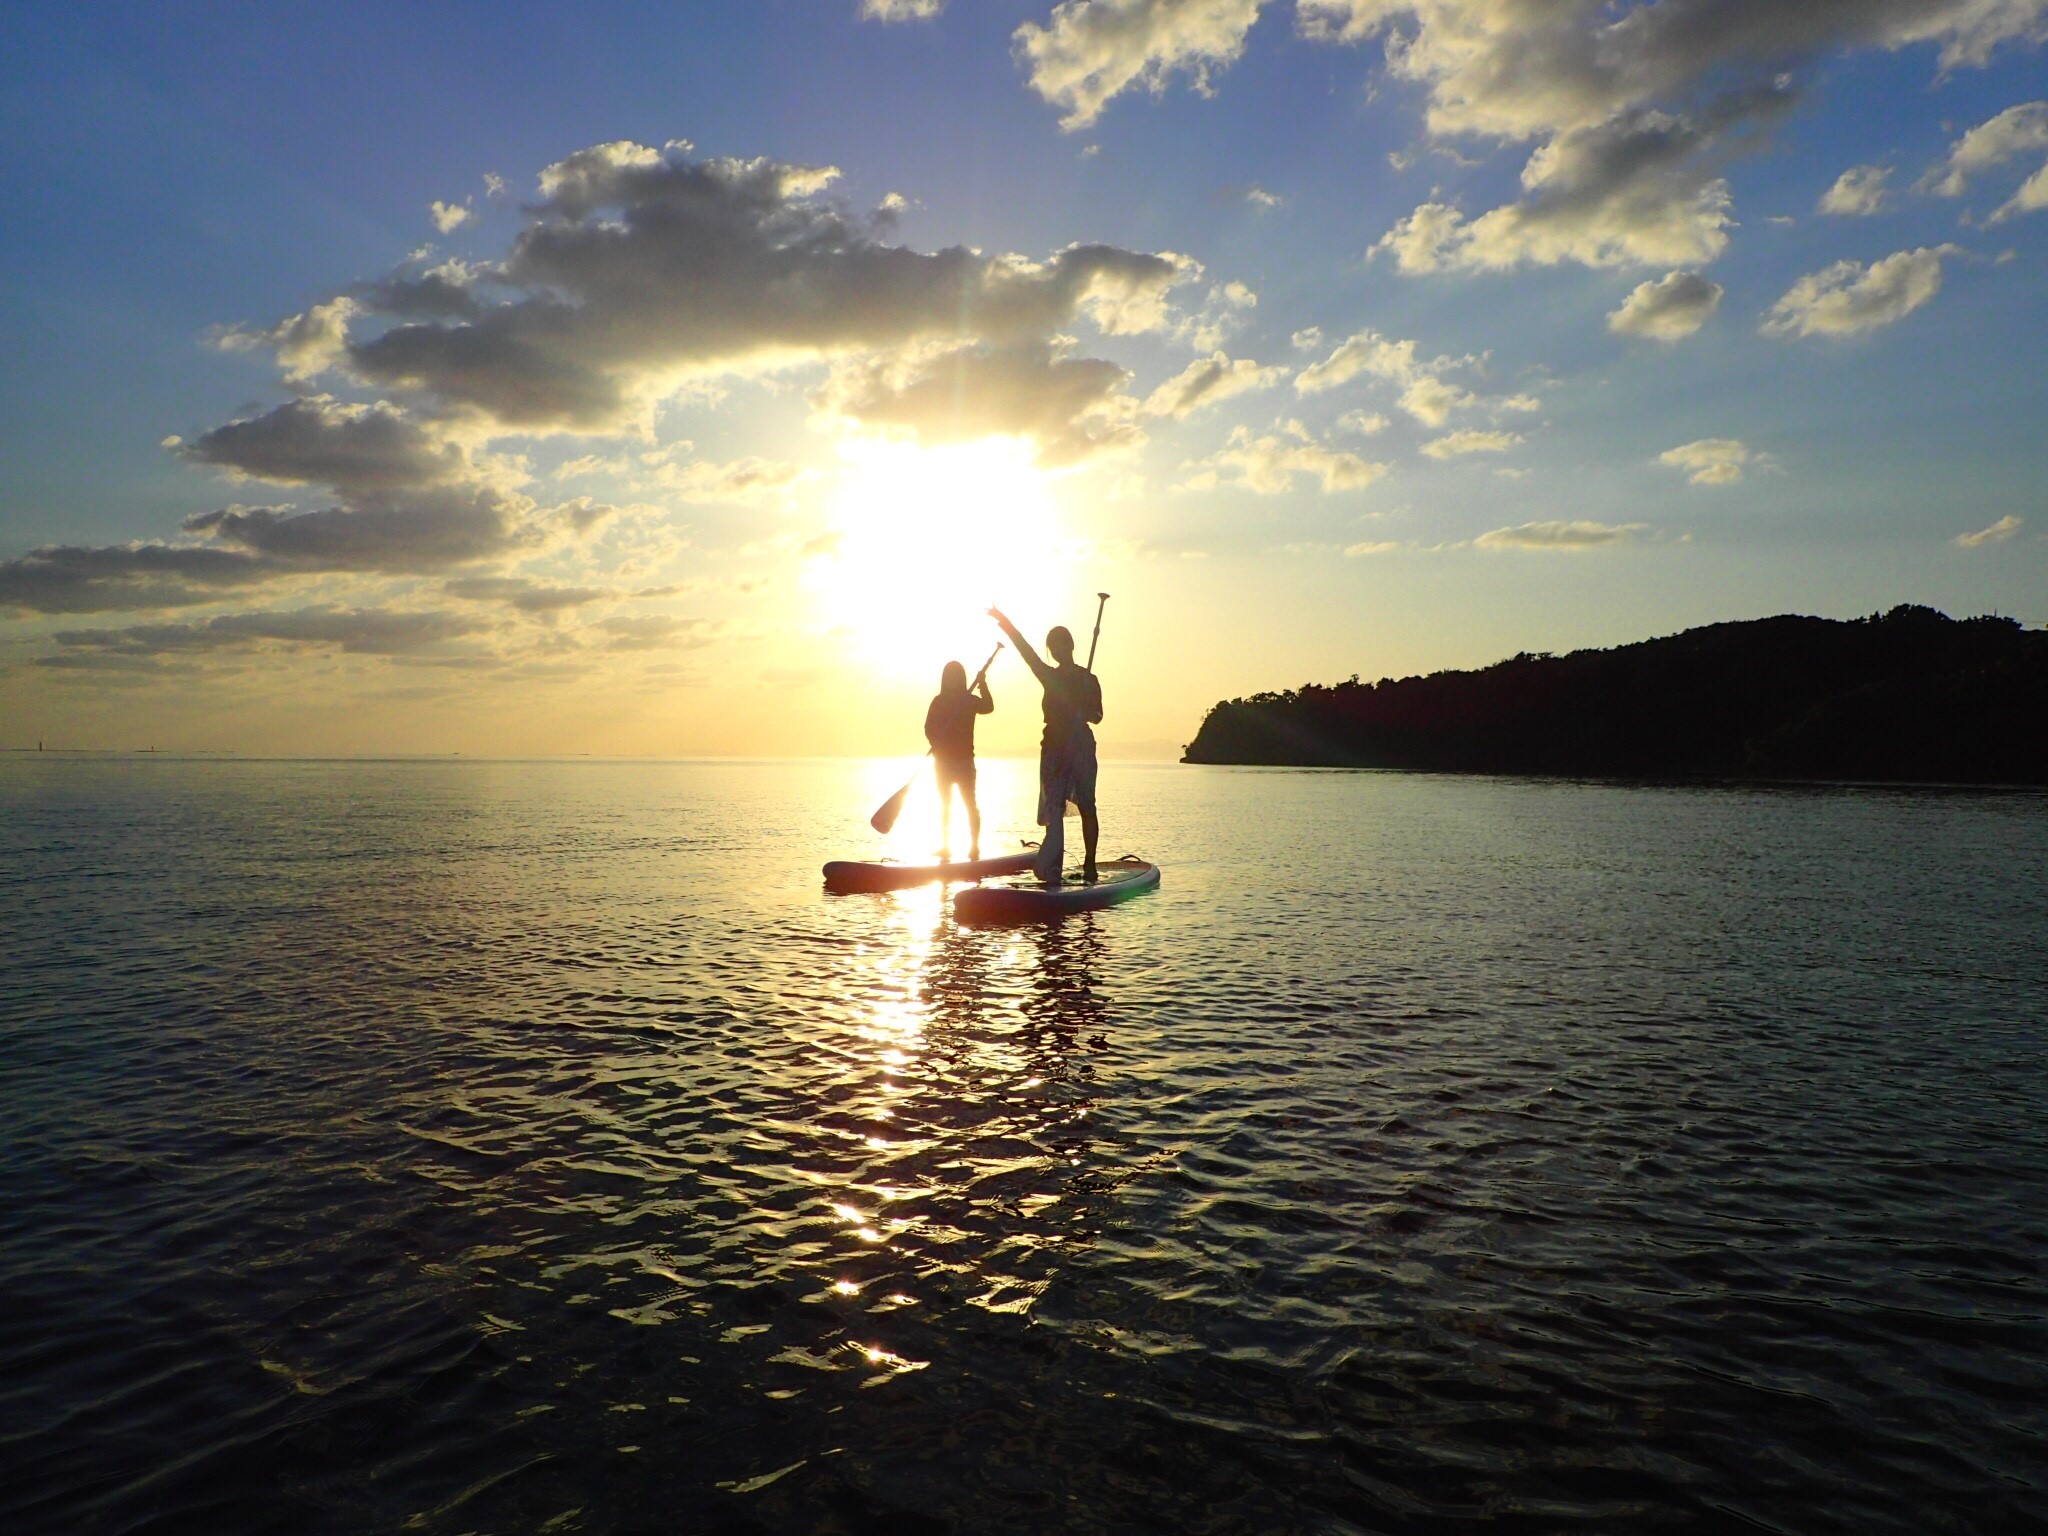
[
  {"x": 845, "y": 876},
  {"x": 1023, "y": 901}
]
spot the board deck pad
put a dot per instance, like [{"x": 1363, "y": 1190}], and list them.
[{"x": 1023, "y": 898}]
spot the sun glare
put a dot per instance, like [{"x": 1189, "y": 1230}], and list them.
[{"x": 924, "y": 539}]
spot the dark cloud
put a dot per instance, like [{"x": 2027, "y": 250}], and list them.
[
  {"x": 423, "y": 531},
  {"x": 1070, "y": 406},
  {"x": 70, "y": 578},
  {"x": 321, "y": 441},
  {"x": 362, "y": 631},
  {"x": 524, "y": 595},
  {"x": 640, "y": 267}
]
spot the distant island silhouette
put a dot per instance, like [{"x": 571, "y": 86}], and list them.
[{"x": 1910, "y": 695}]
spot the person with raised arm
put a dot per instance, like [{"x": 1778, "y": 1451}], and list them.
[
  {"x": 949, "y": 727},
  {"x": 1066, "y": 752}
]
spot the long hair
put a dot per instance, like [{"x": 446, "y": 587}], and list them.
[{"x": 953, "y": 678}]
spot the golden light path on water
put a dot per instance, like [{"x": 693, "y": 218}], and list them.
[{"x": 910, "y": 986}]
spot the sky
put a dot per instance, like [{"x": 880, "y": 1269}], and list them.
[{"x": 682, "y": 380}]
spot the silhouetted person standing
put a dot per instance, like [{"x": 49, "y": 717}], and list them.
[
  {"x": 949, "y": 727},
  {"x": 1066, "y": 752}
]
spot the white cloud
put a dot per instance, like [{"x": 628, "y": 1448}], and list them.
[
  {"x": 1628, "y": 192},
  {"x": 1560, "y": 535},
  {"x": 2031, "y": 197},
  {"x": 305, "y": 345},
  {"x": 1633, "y": 106},
  {"x": 1514, "y": 69},
  {"x": 900, "y": 10},
  {"x": 1668, "y": 309},
  {"x": 2015, "y": 131},
  {"x": 1456, "y": 444},
  {"x": 1091, "y": 51},
  {"x": 448, "y": 217},
  {"x": 1259, "y": 197},
  {"x": 1269, "y": 464},
  {"x": 1711, "y": 460},
  {"x": 1858, "y": 192},
  {"x": 1364, "y": 423},
  {"x": 1848, "y": 298},
  {"x": 1425, "y": 393},
  {"x": 1997, "y": 533},
  {"x": 1209, "y": 381},
  {"x": 1370, "y": 547}
]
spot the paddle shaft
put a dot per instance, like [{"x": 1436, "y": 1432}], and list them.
[{"x": 1102, "y": 602}]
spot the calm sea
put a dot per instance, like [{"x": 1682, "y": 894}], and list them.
[{"x": 480, "y": 1147}]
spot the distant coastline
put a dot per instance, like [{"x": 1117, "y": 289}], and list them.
[{"x": 1908, "y": 696}]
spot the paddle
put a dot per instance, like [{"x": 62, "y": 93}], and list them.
[
  {"x": 1102, "y": 602},
  {"x": 884, "y": 819}
]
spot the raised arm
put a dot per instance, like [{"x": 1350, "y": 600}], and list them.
[
  {"x": 1032, "y": 659},
  {"x": 984, "y": 701}
]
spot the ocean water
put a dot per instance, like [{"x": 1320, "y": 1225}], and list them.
[{"x": 496, "y": 1147}]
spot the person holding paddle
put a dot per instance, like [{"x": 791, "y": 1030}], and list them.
[
  {"x": 1066, "y": 752},
  {"x": 949, "y": 727}
]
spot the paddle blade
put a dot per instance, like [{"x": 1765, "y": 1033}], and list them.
[{"x": 884, "y": 818}]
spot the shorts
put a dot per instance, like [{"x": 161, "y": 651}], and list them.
[
  {"x": 1066, "y": 773},
  {"x": 951, "y": 773}
]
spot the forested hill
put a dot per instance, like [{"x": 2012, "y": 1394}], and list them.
[{"x": 1907, "y": 695}]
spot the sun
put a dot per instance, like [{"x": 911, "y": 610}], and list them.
[{"x": 924, "y": 539}]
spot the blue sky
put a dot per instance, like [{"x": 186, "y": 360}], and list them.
[{"x": 664, "y": 516}]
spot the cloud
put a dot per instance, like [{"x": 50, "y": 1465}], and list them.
[
  {"x": 1209, "y": 381},
  {"x": 410, "y": 533},
  {"x": 1848, "y": 298},
  {"x": 1459, "y": 443},
  {"x": 448, "y": 217},
  {"x": 1364, "y": 423},
  {"x": 69, "y": 578},
  {"x": 1371, "y": 547},
  {"x": 1560, "y": 535},
  {"x": 1071, "y": 407},
  {"x": 1091, "y": 51},
  {"x": 1631, "y": 191},
  {"x": 1259, "y": 197},
  {"x": 1710, "y": 460},
  {"x": 522, "y": 593},
  {"x": 643, "y": 271},
  {"x": 1513, "y": 69},
  {"x": 1268, "y": 465},
  {"x": 900, "y": 10},
  {"x": 1425, "y": 393},
  {"x": 1858, "y": 192},
  {"x": 1625, "y": 168},
  {"x": 1668, "y": 309},
  {"x": 1997, "y": 533},
  {"x": 2015, "y": 131},
  {"x": 360, "y": 631},
  {"x": 319, "y": 440},
  {"x": 305, "y": 345},
  {"x": 750, "y": 480}
]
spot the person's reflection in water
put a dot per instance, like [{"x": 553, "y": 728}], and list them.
[{"x": 1064, "y": 1009}]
